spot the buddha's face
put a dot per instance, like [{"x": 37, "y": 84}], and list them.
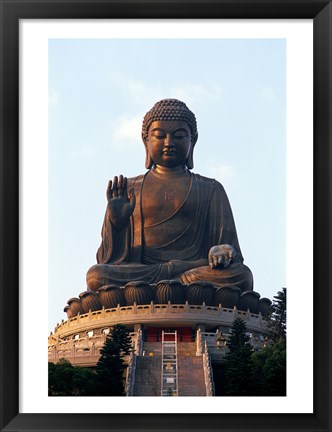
[{"x": 169, "y": 143}]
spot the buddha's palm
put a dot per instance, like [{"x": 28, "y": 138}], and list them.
[
  {"x": 120, "y": 207},
  {"x": 221, "y": 255}
]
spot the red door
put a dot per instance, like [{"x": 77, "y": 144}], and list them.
[{"x": 183, "y": 334}]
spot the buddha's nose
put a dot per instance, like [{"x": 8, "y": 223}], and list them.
[{"x": 168, "y": 141}]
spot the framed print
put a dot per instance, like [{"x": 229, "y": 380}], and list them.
[{"x": 58, "y": 115}]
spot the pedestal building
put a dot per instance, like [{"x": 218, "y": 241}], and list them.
[{"x": 176, "y": 346}]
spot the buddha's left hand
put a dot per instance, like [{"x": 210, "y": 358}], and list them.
[{"x": 221, "y": 255}]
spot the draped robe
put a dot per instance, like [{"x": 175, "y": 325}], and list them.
[{"x": 164, "y": 249}]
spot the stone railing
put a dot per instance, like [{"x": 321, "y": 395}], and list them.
[
  {"x": 131, "y": 372},
  {"x": 83, "y": 347},
  {"x": 208, "y": 374},
  {"x": 199, "y": 343},
  {"x": 76, "y": 350},
  {"x": 157, "y": 312},
  {"x": 210, "y": 338},
  {"x": 139, "y": 343}
]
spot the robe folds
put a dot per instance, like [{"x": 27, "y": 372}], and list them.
[{"x": 163, "y": 249}]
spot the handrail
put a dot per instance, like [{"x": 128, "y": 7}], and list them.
[
  {"x": 156, "y": 309},
  {"x": 199, "y": 342},
  {"x": 208, "y": 374},
  {"x": 139, "y": 344},
  {"x": 131, "y": 373}
]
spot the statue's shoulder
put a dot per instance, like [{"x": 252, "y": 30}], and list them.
[
  {"x": 213, "y": 186},
  {"x": 132, "y": 181},
  {"x": 208, "y": 181}
]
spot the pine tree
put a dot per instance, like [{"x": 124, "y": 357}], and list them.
[
  {"x": 270, "y": 369},
  {"x": 270, "y": 362},
  {"x": 121, "y": 339},
  {"x": 60, "y": 377},
  {"x": 111, "y": 365},
  {"x": 277, "y": 319},
  {"x": 275, "y": 369},
  {"x": 238, "y": 362},
  {"x": 64, "y": 379}
]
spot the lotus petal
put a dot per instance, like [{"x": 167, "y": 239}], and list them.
[
  {"x": 227, "y": 296},
  {"x": 199, "y": 292},
  {"x": 170, "y": 291},
  {"x": 249, "y": 300},
  {"x": 111, "y": 295},
  {"x": 138, "y": 292},
  {"x": 90, "y": 300},
  {"x": 264, "y": 306},
  {"x": 75, "y": 305}
]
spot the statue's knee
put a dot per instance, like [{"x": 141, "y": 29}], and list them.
[
  {"x": 250, "y": 280},
  {"x": 94, "y": 277},
  {"x": 239, "y": 275},
  {"x": 248, "y": 274}
]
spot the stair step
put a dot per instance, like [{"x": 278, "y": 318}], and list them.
[
  {"x": 190, "y": 371},
  {"x": 147, "y": 376}
]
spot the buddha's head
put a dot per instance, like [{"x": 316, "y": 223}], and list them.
[{"x": 169, "y": 134}]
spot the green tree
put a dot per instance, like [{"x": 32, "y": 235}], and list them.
[
  {"x": 60, "y": 378},
  {"x": 270, "y": 362},
  {"x": 238, "y": 362},
  {"x": 269, "y": 369},
  {"x": 84, "y": 382},
  {"x": 119, "y": 335},
  {"x": 64, "y": 379},
  {"x": 277, "y": 319},
  {"x": 111, "y": 364}
]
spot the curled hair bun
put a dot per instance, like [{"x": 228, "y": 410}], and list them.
[{"x": 170, "y": 109}]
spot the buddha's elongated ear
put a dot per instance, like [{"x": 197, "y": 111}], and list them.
[
  {"x": 148, "y": 160},
  {"x": 190, "y": 158}
]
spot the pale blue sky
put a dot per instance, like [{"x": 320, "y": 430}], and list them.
[{"x": 99, "y": 91}]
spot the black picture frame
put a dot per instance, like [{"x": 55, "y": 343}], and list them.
[{"x": 14, "y": 10}]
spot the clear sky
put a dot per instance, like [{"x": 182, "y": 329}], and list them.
[{"x": 99, "y": 91}]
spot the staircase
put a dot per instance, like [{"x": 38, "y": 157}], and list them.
[
  {"x": 191, "y": 376},
  {"x": 169, "y": 360},
  {"x": 147, "y": 376}
]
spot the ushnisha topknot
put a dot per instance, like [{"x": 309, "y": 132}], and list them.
[{"x": 170, "y": 109}]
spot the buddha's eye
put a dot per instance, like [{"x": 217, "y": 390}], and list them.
[
  {"x": 158, "y": 134},
  {"x": 180, "y": 134}
]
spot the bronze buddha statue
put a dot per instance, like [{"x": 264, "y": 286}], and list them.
[{"x": 169, "y": 223}]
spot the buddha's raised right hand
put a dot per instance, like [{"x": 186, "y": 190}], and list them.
[{"x": 120, "y": 207}]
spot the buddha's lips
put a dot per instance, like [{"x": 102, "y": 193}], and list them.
[{"x": 169, "y": 152}]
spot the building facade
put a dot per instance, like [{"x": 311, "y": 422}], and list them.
[{"x": 175, "y": 346}]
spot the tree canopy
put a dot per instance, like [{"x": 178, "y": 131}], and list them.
[
  {"x": 64, "y": 379},
  {"x": 270, "y": 362},
  {"x": 257, "y": 373},
  {"x": 270, "y": 369},
  {"x": 238, "y": 362},
  {"x": 111, "y": 365},
  {"x": 107, "y": 379},
  {"x": 277, "y": 321}
]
